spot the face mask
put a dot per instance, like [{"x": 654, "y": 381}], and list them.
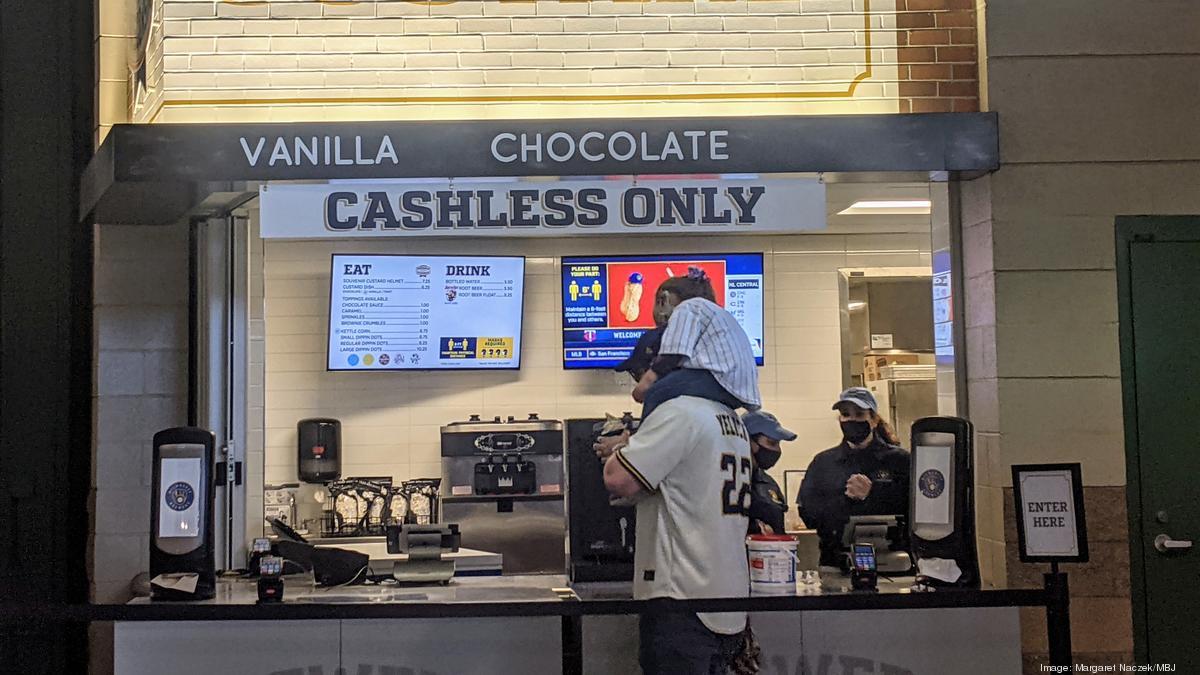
[
  {"x": 855, "y": 432},
  {"x": 766, "y": 458}
]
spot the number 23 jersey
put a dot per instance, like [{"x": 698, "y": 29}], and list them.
[{"x": 693, "y": 456}]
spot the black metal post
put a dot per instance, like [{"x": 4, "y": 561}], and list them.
[
  {"x": 193, "y": 324},
  {"x": 572, "y": 645},
  {"x": 1058, "y": 617}
]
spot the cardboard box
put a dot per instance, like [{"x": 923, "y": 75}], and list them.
[{"x": 872, "y": 364}]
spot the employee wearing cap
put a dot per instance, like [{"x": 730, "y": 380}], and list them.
[
  {"x": 767, "y": 504},
  {"x": 866, "y": 474}
]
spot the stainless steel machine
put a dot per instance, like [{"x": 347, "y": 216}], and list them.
[{"x": 502, "y": 482}]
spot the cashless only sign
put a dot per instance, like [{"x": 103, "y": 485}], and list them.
[{"x": 528, "y": 208}]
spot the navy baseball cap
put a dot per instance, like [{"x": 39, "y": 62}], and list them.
[
  {"x": 760, "y": 422},
  {"x": 859, "y": 396},
  {"x": 643, "y": 353}
]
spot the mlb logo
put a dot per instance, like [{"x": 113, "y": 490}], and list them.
[{"x": 589, "y": 336}]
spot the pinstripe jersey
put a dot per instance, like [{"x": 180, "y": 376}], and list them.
[
  {"x": 693, "y": 458},
  {"x": 709, "y": 338}
]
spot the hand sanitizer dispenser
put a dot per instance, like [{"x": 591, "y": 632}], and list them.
[{"x": 182, "y": 566}]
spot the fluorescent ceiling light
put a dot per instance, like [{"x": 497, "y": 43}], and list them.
[
  {"x": 887, "y": 207},
  {"x": 856, "y": 305}
]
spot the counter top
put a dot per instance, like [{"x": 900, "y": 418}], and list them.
[
  {"x": 299, "y": 590},
  {"x": 467, "y": 561},
  {"x": 519, "y": 595}
]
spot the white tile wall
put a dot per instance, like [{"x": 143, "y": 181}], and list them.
[{"x": 390, "y": 420}]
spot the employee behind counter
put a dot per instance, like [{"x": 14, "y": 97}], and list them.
[{"x": 867, "y": 474}]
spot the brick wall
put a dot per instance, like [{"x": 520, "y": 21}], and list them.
[
  {"x": 1096, "y": 101},
  {"x": 226, "y": 60},
  {"x": 116, "y": 38},
  {"x": 937, "y": 50},
  {"x": 141, "y": 387},
  {"x": 145, "y": 74}
]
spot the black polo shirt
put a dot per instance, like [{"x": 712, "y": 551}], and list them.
[
  {"x": 824, "y": 505},
  {"x": 766, "y": 502}
]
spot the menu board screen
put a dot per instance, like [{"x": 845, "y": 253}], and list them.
[
  {"x": 410, "y": 312},
  {"x": 608, "y": 301}
]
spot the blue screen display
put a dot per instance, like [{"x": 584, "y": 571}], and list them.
[{"x": 608, "y": 301}]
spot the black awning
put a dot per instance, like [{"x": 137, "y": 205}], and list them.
[{"x": 155, "y": 173}]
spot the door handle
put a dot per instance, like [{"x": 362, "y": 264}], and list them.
[{"x": 1165, "y": 544}]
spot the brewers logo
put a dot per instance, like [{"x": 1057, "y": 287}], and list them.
[
  {"x": 180, "y": 496},
  {"x": 424, "y": 271},
  {"x": 932, "y": 483}
]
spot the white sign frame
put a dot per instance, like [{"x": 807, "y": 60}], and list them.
[{"x": 1045, "y": 491}]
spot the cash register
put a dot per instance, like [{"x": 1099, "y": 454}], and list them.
[
  {"x": 888, "y": 536},
  {"x": 424, "y": 545}
]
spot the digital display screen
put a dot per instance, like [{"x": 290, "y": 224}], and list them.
[
  {"x": 270, "y": 566},
  {"x": 181, "y": 481},
  {"x": 864, "y": 557},
  {"x": 608, "y": 301},
  {"x": 410, "y": 312}
]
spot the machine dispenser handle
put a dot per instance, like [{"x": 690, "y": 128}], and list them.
[{"x": 1165, "y": 544}]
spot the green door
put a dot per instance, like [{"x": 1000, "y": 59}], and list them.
[{"x": 1158, "y": 265}]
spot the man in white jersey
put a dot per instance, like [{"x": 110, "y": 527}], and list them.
[{"x": 691, "y": 459}]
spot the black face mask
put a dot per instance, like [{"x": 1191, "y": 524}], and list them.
[
  {"x": 766, "y": 458},
  {"x": 855, "y": 432}
]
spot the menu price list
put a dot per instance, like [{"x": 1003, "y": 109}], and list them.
[
  {"x": 398, "y": 312},
  {"x": 381, "y": 321}
]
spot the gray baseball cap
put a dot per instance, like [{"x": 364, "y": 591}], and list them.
[
  {"x": 859, "y": 396},
  {"x": 760, "y": 422}
]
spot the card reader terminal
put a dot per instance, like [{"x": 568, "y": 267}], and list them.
[
  {"x": 863, "y": 575},
  {"x": 270, "y": 583}
]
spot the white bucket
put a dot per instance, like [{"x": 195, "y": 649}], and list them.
[{"x": 772, "y": 560}]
